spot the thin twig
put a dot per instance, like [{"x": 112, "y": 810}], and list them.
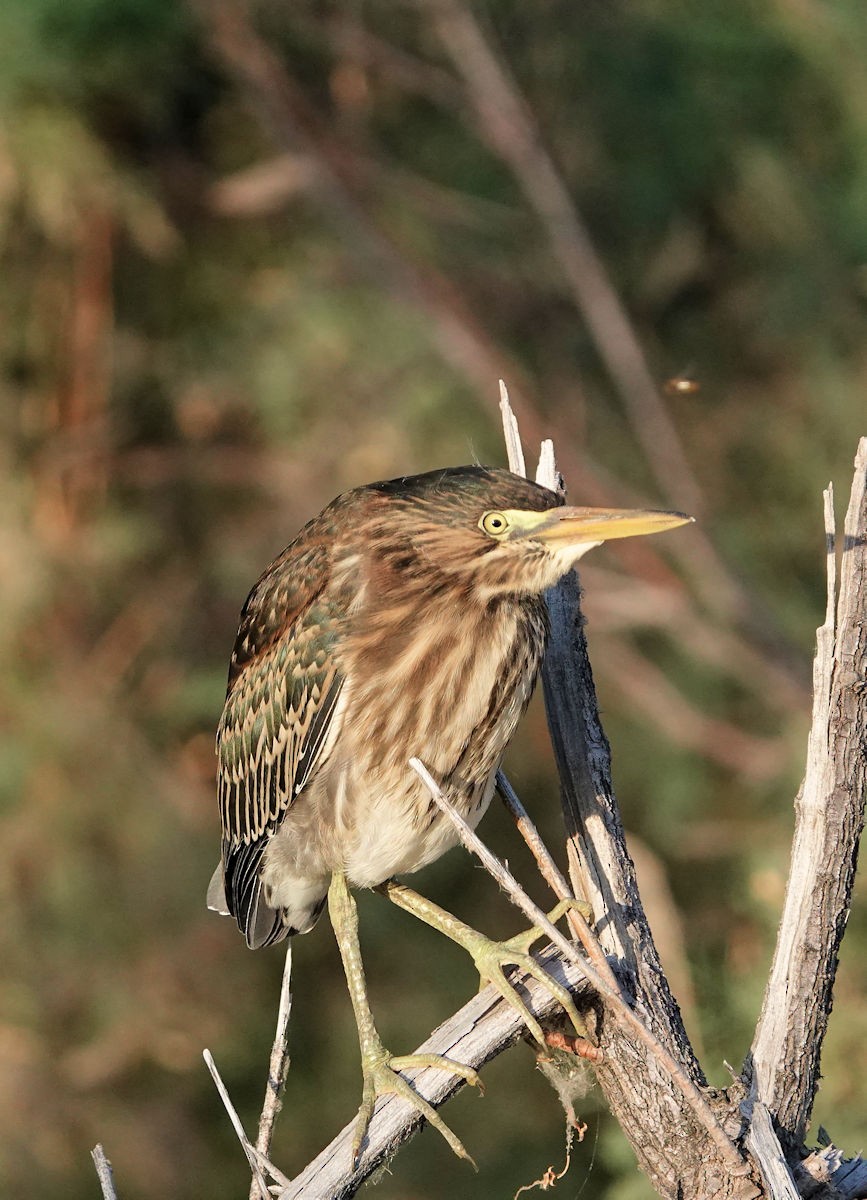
[
  {"x": 619, "y": 1009},
  {"x": 554, "y": 878},
  {"x": 548, "y": 868},
  {"x": 103, "y": 1171},
  {"x": 278, "y": 1065},
  {"x": 246, "y": 1144},
  {"x": 266, "y": 1165}
]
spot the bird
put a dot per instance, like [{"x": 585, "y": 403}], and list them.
[{"x": 406, "y": 620}]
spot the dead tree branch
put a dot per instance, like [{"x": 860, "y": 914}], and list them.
[
  {"x": 799, "y": 991},
  {"x": 600, "y": 975},
  {"x": 784, "y": 1061},
  {"x": 277, "y": 1067},
  {"x": 103, "y": 1172},
  {"x": 652, "y": 1105}
]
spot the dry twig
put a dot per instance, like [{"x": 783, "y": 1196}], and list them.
[
  {"x": 260, "y": 1185},
  {"x": 103, "y": 1171},
  {"x": 278, "y": 1065}
]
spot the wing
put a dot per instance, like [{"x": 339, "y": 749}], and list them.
[{"x": 279, "y": 717}]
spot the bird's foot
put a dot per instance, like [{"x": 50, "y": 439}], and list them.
[
  {"x": 382, "y": 1076},
  {"x": 491, "y": 959}
]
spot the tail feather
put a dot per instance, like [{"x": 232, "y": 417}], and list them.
[
  {"x": 216, "y": 898},
  {"x": 236, "y": 890}
]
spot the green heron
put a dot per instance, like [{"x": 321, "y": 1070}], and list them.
[{"x": 407, "y": 619}]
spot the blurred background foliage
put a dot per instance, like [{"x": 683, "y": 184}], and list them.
[{"x": 252, "y": 256}]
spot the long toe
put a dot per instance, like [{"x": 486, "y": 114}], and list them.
[
  {"x": 492, "y": 959},
  {"x": 382, "y": 1077}
]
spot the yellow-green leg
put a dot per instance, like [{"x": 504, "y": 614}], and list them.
[
  {"x": 381, "y": 1070},
  {"x": 492, "y": 957}
]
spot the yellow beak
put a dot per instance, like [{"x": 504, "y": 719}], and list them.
[{"x": 571, "y": 526}]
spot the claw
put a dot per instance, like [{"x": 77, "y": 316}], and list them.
[
  {"x": 382, "y": 1076},
  {"x": 491, "y": 957}
]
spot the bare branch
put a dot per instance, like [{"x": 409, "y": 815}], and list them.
[
  {"x": 764, "y": 1145},
  {"x": 511, "y": 433},
  {"x": 246, "y": 1146},
  {"x": 546, "y": 472},
  {"x": 103, "y": 1171},
  {"x": 278, "y": 1065},
  {"x": 787, "y": 1045},
  {"x": 548, "y": 869},
  {"x": 262, "y": 188}
]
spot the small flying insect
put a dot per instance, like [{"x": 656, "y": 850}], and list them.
[{"x": 682, "y": 385}]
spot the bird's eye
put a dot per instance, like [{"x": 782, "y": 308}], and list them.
[{"x": 494, "y": 523}]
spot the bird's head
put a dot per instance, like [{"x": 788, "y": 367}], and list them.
[{"x": 492, "y": 530}]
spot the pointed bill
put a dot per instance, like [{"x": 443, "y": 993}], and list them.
[{"x": 582, "y": 525}]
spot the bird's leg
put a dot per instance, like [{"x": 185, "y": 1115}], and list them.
[
  {"x": 381, "y": 1070},
  {"x": 492, "y": 957}
]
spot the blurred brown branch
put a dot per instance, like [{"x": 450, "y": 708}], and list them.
[{"x": 297, "y": 128}]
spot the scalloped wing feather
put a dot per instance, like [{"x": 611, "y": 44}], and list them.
[{"x": 277, "y": 725}]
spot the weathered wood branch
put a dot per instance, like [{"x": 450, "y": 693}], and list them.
[
  {"x": 784, "y": 1061},
  {"x": 103, "y": 1172},
  {"x": 644, "y": 1092},
  {"x": 278, "y": 1068}
]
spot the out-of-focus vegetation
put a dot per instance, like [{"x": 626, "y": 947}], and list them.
[{"x": 251, "y": 257}]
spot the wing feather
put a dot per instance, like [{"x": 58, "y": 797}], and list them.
[{"x": 277, "y": 724}]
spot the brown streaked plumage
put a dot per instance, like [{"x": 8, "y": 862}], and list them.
[{"x": 406, "y": 619}]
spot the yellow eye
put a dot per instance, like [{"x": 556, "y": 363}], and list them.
[{"x": 494, "y": 523}]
